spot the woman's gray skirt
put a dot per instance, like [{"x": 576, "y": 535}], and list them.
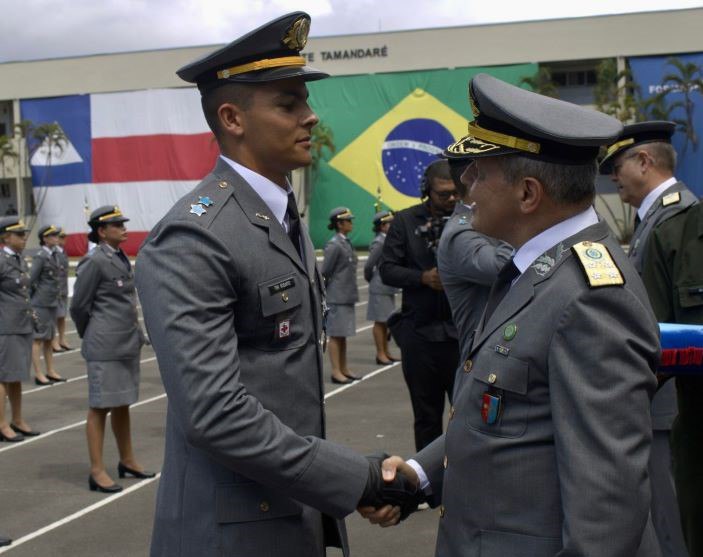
[
  {"x": 341, "y": 320},
  {"x": 46, "y": 323},
  {"x": 15, "y": 357},
  {"x": 113, "y": 383},
  {"x": 380, "y": 307}
]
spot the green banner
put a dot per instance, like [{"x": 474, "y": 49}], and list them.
[{"x": 387, "y": 128}]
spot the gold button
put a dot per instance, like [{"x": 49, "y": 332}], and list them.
[
  {"x": 284, "y": 297},
  {"x": 264, "y": 506},
  {"x": 492, "y": 378},
  {"x": 441, "y": 511},
  {"x": 468, "y": 364},
  {"x": 445, "y": 462},
  {"x": 223, "y": 184},
  {"x": 451, "y": 412}
]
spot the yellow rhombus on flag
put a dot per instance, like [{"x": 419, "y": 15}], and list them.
[{"x": 361, "y": 160}]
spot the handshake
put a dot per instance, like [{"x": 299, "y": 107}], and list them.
[{"x": 392, "y": 491}]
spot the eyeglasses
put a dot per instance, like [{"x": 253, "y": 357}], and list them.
[
  {"x": 444, "y": 195},
  {"x": 621, "y": 162},
  {"x": 20, "y": 234}
]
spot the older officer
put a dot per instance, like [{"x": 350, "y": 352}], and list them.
[
  {"x": 59, "y": 342},
  {"x": 673, "y": 276},
  {"x": 45, "y": 290},
  {"x": 641, "y": 163},
  {"x": 104, "y": 308},
  {"x": 547, "y": 446},
  {"x": 339, "y": 271},
  {"x": 233, "y": 304},
  {"x": 16, "y": 327},
  {"x": 468, "y": 261},
  {"x": 381, "y": 297}
]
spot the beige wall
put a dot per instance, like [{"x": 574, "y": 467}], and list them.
[{"x": 539, "y": 41}]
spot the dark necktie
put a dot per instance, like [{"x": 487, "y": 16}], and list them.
[
  {"x": 293, "y": 222},
  {"x": 124, "y": 259},
  {"x": 501, "y": 287},
  {"x": 637, "y": 221}
]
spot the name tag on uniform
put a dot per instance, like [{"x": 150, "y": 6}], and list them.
[
  {"x": 281, "y": 286},
  {"x": 490, "y": 408}
]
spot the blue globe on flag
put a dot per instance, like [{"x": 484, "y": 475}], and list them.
[{"x": 409, "y": 148}]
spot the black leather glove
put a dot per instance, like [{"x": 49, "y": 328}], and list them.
[{"x": 400, "y": 492}]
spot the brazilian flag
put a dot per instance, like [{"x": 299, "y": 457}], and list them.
[{"x": 387, "y": 128}]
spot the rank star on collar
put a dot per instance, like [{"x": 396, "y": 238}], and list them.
[
  {"x": 198, "y": 210},
  {"x": 205, "y": 201}
]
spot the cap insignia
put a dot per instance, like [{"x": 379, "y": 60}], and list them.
[{"x": 297, "y": 35}]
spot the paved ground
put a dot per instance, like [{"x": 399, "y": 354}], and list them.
[{"x": 45, "y": 504}]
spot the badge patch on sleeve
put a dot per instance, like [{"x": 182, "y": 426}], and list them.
[
  {"x": 598, "y": 265},
  {"x": 490, "y": 408},
  {"x": 283, "y": 329}
]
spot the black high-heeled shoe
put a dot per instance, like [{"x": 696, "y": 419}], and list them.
[
  {"x": 95, "y": 486},
  {"x": 123, "y": 470},
  {"x": 16, "y": 439},
  {"x": 25, "y": 432},
  {"x": 380, "y": 362},
  {"x": 41, "y": 383},
  {"x": 341, "y": 381},
  {"x": 56, "y": 379}
]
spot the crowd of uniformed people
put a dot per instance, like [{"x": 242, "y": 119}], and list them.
[{"x": 519, "y": 306}]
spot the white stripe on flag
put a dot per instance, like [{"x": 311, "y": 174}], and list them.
[{"x": 156, "y": 111}]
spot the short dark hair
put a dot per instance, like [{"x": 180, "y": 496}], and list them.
[
  {"x": 438, "y": 169},
  {"x": 566, "y": 184},
  {"x": 236, "y": 93}
]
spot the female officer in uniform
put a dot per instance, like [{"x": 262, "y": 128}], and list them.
[
  {"x": 16, "y": 327},
  {"x": 381, "y": 297},
  {"x": 104, "y": 309},
  {"x": 45, "y": 284},
  {"x": 59, "y": 343},
  {"x": 339, "y": 272}
]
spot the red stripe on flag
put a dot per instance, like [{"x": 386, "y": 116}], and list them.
[
  {"x": 142, "y": 158},
  {"x": 77, "y": 244}
]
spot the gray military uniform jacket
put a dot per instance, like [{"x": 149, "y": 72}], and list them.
[
  {"x": 104, "y": 307},
  {"x": 45, "y": 279},
  {"x": 671, "y": 202},
  {"x": 15, "y": 308},
  {"x": 468, "y": 263},
  {"x": 234, "y": 316},
  {"x": 371, "y": 274},
  {"x": 339, "y": 271},
  {"x": 562, "y": 471}
]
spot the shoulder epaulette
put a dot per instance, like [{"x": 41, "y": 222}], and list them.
[
  {"x": 598, "y": 265},
  {"x": 671, "y": 198}
]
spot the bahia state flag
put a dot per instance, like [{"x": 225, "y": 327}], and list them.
[
  {"x": 386, "y": 129},
  {"x": 139, "y": 150}
]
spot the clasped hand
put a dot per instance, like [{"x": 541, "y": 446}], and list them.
[{"x": 392, "y": 491}]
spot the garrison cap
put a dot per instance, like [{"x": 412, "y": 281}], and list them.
[
  {"x": 656, "y": 131},
  {"x": 105, "y": 215},
  {"x": 509, "y": 119},
  {"x": 269, "y": 53},
  {"x": 48, "y": 230},
  {"x": 382, "y": 216},
  {"x": 340, "y": 213},
  {"x": 12, "y": 224}
]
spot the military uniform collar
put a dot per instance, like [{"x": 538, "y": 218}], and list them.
[
  {"x": 273, "y": 195},
  {"x": 652, "y": 196},
  {"x": 9, "y": 250},
  {"x": 531, "y": 250},
  {"x": 47, "y": 249}
]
